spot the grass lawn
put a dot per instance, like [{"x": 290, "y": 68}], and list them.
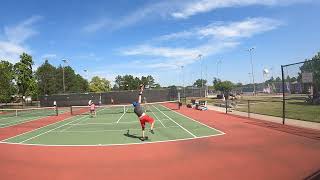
[{"x": 296, "y": 108}]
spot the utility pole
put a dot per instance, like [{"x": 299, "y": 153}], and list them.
[
  {"x": 252, "y": 73},
  {"x": 184, "y": 90},
  {"x": 64, "y": 86},
  {"x": 199, "y": 56}
]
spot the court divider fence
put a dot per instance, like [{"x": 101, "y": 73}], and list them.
[{"x": 120, "y": 97}]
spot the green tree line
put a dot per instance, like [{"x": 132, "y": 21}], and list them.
[{"x": 20, "y": 79}]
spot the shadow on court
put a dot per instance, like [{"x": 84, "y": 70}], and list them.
[{"x": 127, "y": 134}]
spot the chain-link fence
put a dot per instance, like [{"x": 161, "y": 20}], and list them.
[
  {"x": 300, "y": 87},
  {"x": 295, "y": 96},
  {"x": 120, "y": 97}
]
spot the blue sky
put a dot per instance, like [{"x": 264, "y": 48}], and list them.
[{"x": 160, "y": 37}]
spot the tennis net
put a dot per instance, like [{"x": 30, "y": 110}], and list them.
[
  {"x": 128, "y": 108},
  {"x": 29, "y": 112}
]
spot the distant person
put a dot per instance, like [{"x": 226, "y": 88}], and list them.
[
  {"x": 112, "y": 101},
  {"x": 93, "y": 112},
  {"x": 142, "y": 116},
  {"x": 55, "y": 106}
]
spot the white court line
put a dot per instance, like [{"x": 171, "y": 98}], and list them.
[
  {"x": 20, "y": 116},
  {"x": 78, "y": 122},
  {"x": 23, "y": 120},
  {"x": 123, "y": 122},
  {"x": 50, "y": 130},
  {"x": 177, "y": 123},
  {"x": 105, "y": 145},
  {"x": 36, "y": 129},
  {"x": 195, "y": 120},
  {"x": 84, "y": 124},
  {"x": 109, "y": 130},
  {"x": 157, "y": 118},
  {"x": 125, "y": 110}
]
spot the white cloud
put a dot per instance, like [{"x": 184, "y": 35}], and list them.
[
  {"x": 231, "y": 30},
  {"x": 240, "y": 29},
  {"x": 173, "y": 58},
  {"x": 207, "y": 41},
  {"x": 12, "y": 43},
  {"x": 190, "y": 8},
  {"x": 177, "y": 9},
  {"x": 10, "y": 51},
  {"x": 146, "y": 12},
  {"x": 147, "y": 50},
  {"x": 97, "y": 25},
  {"x": 22, "y": 31}
]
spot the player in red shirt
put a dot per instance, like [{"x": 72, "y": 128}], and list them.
[{"x": 144, "y": 118}]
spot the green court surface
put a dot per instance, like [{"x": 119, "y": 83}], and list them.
[
  {"x": 11, "y": 117},
  {"x": 113, "y": 128}
]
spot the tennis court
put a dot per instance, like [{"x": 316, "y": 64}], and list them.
[
  {"x": 11, "y": 117},
  {"x": 116, "y": 125}
]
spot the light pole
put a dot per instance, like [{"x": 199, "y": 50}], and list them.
[
  {"x": 199, "y": 56},
  {"x": 254, "y": 86},
  {"x": 184, "y": 90},
  {"x": 64, "y": 87}
]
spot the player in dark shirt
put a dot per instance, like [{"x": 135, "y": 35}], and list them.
[{"x": 142, "y": 116}]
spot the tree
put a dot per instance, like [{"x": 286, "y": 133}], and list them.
[
  {"x": 313, "y": 66},
  {"x": 199, "y": 82},
  {"x": 46, "y": 78},
  {"x": 278, "y": 79},
  {"x": 224, "y": 86},
  {"x": 215, "y": 81},
  {"x": 147, "y": 81},
  {"x": 23, "y": 72},
  {"x": 81, "y": 84},
  {"x": 98, "y": 84},
  {"x": 7, "y": 87},
  {"x": 118, "y": 83},
  {"x": 74, "y": 83},
  {"x": 156, "y": 86},
  {"x": 33, "y": 89},
  {"x": 239, "y": 84},
  {"x": 129, "y": 82}
]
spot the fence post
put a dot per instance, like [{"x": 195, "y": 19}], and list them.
[
  {"x": 283, "y": 97},
  {"x": 248, "y": 108},
  {"x": 226, "y": 105}
]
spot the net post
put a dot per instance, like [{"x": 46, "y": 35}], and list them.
[
  {"x": 16, "y": 112},
  {"x": 283, "y": 97},
  {"x": 71, "y": 110}
]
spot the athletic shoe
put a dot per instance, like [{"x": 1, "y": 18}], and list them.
[{"x": 152, "y": 132}]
